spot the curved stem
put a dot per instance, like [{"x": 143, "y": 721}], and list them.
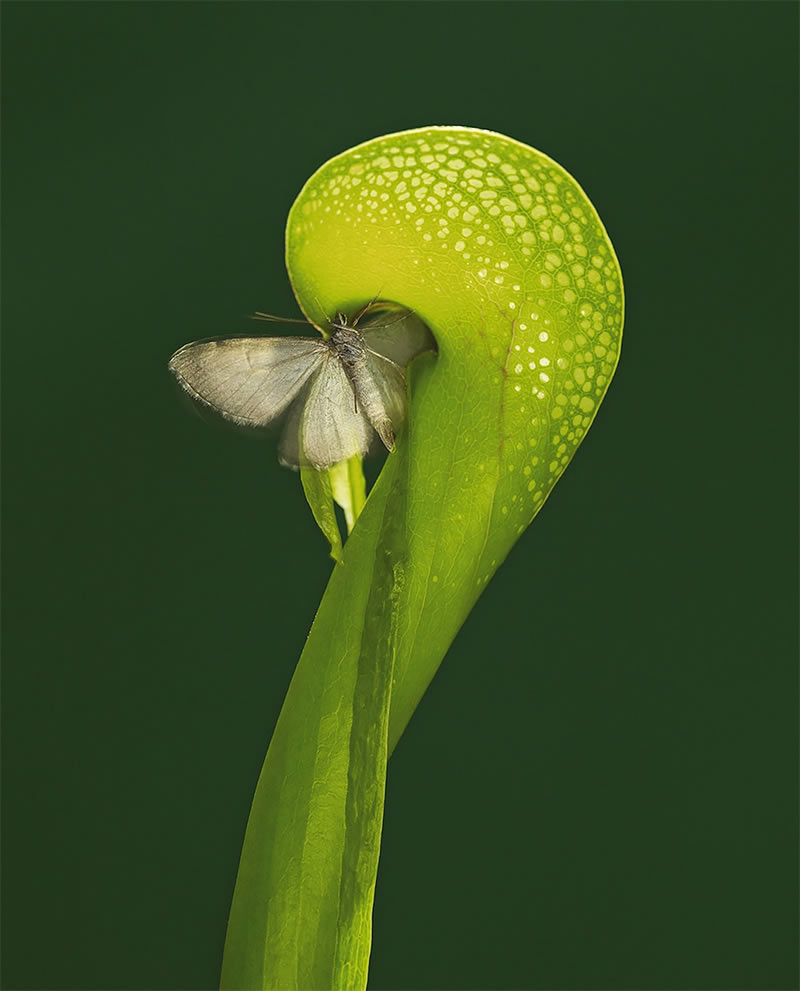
[{"x": 501, "y": 254}]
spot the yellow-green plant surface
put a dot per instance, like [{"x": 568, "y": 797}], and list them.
[{"x": 497, "y": 248}]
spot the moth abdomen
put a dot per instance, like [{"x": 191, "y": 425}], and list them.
[{"x": 384, "y": 408}]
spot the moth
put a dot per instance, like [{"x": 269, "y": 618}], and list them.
[{"x": 339, "y": 394}]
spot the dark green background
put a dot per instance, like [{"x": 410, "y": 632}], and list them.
[{"x": 599, "y": 789}]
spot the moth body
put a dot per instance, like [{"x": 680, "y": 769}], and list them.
[
  {"x": 352, "y": 352},
  {"x": 336, "y": 394},
  {"x": 349, "y": 345}
]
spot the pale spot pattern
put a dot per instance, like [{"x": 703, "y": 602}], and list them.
[{"x": 531, "y": 246}]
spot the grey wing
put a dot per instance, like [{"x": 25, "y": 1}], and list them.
[
  {"x": 398, "y": 337},
  {"x": 324, "y": 427},
  {"x": 390, "y": 380},
  {"x": 248, "y": 380}
]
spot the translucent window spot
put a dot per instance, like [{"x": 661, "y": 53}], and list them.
[
  {"x": 544, "y": 362},
  {"x": 586, "y": 404},
  {"x": 544, "y": 377}
]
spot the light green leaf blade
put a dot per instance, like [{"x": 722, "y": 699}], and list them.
[
  {"x": 317, "y": 489},
  {"x": 349, "y": 488},
  {"x": 501, "y": 253}
]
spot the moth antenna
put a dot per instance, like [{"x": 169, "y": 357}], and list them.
[
  {"x": 322, "y": 310},
  {"x": 397, "y": 319},
  {"x": 258, "y": 315},
  {"x": 363, "y": 310}
]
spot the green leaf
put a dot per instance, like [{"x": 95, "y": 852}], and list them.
[
  {"x": 317, "y": 488},
  {"x": 502, "y": 255},
  {"x": 344, "y": 484},
  {"x": 349, "y": 488}
]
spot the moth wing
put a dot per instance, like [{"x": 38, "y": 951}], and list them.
[
  {"x": 400, "y": 338},
  {"x": 324, "y": 426},
  {"x": 248, "y": 380},
  {"x": 390, "y": 381}
]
